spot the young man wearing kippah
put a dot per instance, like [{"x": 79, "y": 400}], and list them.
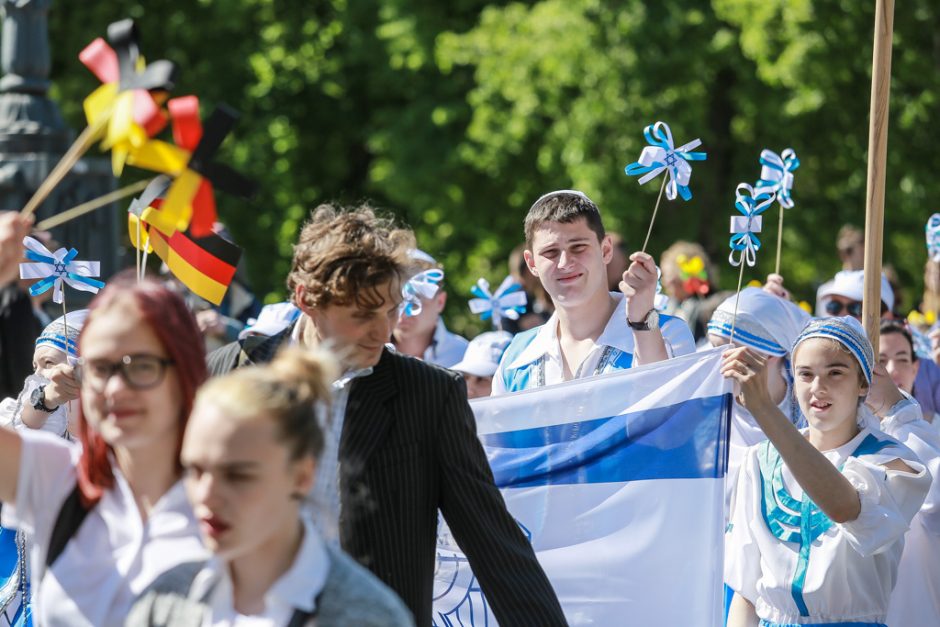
[{"x": 592, "y": 331}]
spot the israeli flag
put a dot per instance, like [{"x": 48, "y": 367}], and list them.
[{"x": 618, "y": 483}]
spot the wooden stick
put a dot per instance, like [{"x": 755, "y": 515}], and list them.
[
  {"x": 143, "y": 265},
  {"x": 779, "y": 241},
  {"x": 655, "y": 209},
  {"x": 137, "y": 249},
  {"x": 877, "y": 157},
  {"x": 91, "y": 205},
  {"x": 81, "y": 144},
  {"x": 737, "y": 298}
]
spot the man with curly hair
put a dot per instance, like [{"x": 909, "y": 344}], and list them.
[{"x": 401, "y": 440}]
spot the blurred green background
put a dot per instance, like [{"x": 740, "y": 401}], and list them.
[{"x": 455, "y": 115}]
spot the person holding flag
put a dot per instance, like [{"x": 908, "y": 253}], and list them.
[
  {"x": 767, "y": 324},
  {"x": 592, "y": 331},
  {"x": 819, "y": 516},
  {"x": 420, "y": 331}
]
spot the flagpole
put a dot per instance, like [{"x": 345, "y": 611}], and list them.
[
  {"x": 93, "y": 204},
  {"x": 877, "y": 157},
  {"x": 81, "y": 144}
]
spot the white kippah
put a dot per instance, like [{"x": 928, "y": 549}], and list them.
[
  {"x": 559, "y": 192},
  {"x": 419, "y": 255}
]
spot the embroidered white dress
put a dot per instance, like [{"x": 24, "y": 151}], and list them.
[{"x": 795, "y": 565}]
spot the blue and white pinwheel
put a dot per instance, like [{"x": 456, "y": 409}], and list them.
[
  {"x": 56, "y": 269},
  {"x": 422, "y": 285},
  {"x": 776, "y": 175},
  {"x": 751, "y": 204},
  {"x": 933, "y": 237},
  {"x": 508, "y": 301},
  {"x": 661, "y": 155}
]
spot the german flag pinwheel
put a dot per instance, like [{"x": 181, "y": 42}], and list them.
[
  {"x": 126, "y": 107},
  {"x": 190, "y": 201},
  {"x": 150, "y": 198},
  {"x": 206, "y": 264}
]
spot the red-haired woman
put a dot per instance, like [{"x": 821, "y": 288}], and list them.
[{"x": 109, "y": 516}]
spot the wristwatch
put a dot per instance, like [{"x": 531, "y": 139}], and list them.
[
  {"x": 651, "y": 321},
  {"x": 38, "y": 400}
]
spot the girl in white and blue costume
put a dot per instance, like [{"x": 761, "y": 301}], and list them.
[
  {"x": 14, "y": 545},
  {"x": 783, "y": 554},
  {"x": 769, "y": 325}
]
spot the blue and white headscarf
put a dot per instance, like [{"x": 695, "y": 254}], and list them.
[
  {"x": 765, "y": 322},
  {"x": 54, "y": 333},
  {"x": 848, "y": 332}
]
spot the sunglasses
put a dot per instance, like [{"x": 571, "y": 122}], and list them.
[{"x": 835, "y": 308}]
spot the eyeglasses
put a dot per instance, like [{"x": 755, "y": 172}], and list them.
[
  {"x": 835, "y": 308},
  {"x": 139, "y": 372}
]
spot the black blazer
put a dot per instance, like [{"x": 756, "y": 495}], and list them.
[{"x": 408, "y": 449}]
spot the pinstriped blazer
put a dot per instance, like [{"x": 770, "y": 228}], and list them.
[{"x": 408, "y": 449}]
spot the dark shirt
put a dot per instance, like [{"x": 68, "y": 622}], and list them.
[{"x": 19, "y": 329}]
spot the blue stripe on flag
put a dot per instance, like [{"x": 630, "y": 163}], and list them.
[{"x": 680, "y": 441}]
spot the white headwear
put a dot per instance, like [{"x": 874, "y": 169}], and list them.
[
  {"x": 765, "y": 322},
  {"x": 54, "y": 334},
  {"x": 847, "y": 331},
  {"x": 419, "y": 255},
  {"x": 483, "y": 353},
  {"x": 559, "y": 192},
  {"x": 851, "y": 284},
  {"x": 271, "y": 320}
]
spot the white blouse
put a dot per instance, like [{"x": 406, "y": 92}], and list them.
[
  {"x": 114, "y": 555},
  {"x": 915, "y": 601},
  {"x": 296, "y": 589},
  {"x": 826, "y": 572}
]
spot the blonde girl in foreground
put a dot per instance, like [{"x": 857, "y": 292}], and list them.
[
  {"x": 819, "y": 516},
  {"x": 250, "y": 456}
]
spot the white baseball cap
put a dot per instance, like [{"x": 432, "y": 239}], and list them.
[
  {"x": 272, "y": 319},
  {"x": 851, "y": 284},
  {"x": 483, "y": 354}
]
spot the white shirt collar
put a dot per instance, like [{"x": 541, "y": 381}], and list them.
[
  {"x": 437, "y": 340},
  {"x": 348, "y": 376},
  {"x": 616, "y": 334},
  {"x": 297, "y": 588},
  {"x": 303, "y": 582}
]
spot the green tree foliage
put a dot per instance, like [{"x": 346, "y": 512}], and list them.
[{"x": 457, "y": 115}]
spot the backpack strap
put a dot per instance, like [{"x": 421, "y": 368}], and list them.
[{"x": 71, "y": 516}]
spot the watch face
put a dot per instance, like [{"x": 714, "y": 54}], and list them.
[
  {"x": 653, "y": 319},
  {"x": 35, "y": 396}
]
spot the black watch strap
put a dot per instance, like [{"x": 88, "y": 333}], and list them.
[
  {"x": 40, "y": 403},
  {"x": 642, "y": 325}
]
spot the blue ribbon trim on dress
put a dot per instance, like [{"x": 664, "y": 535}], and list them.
[{"x": 781, "y": 511}]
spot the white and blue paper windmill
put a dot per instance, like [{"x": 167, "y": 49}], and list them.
[
  {"x": 509, "y": 301},
  {"x": 933, "y": 237},
  {"x": 662, "y": 155},
  {"x": 422, "y": 285},
  {"x": 751, "y": 204},
  {"x": 55, "y": 269},
  {"x": 776, "y": 175}
]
